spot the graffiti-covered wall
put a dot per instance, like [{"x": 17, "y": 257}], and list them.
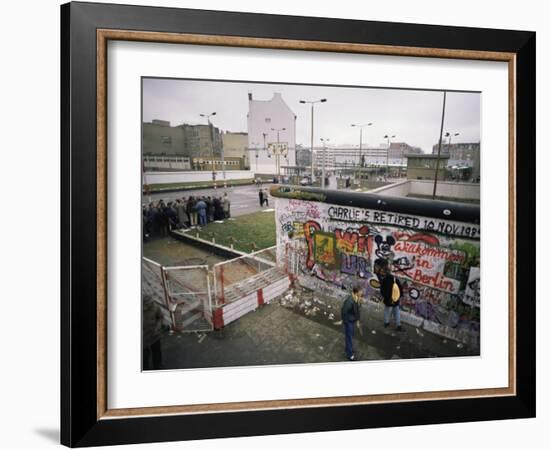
[{"x": 432, "y": 247}]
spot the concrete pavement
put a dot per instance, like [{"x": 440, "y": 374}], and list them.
[{"x": 302, "y": 327}]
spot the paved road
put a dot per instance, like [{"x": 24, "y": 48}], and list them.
[
  {"x": 244, "y": 199},
  {"x": 300, "y": 327}
]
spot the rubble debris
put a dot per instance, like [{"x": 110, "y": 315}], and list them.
[{"x": 313, "y": 311}]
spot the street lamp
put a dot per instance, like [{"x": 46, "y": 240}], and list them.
[
  {"x": 265, "y": 149},
  {"x": 450, "y": 135},
  {"x": 388, "y": 137},
  {"x": 439, "y": 145},
  {"x": 255, "y": 146},
  {"x": 361, "y": 139},
  {"x": 312, "y": 103},
  {"x": 278, "y": 154},
  {"x": 207, "y": 116},
  {"x": 361, "y": 145},
  {"x": 324, "y": 141}
]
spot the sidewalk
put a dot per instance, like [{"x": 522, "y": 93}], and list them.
[{"x": 300, "y": 328}]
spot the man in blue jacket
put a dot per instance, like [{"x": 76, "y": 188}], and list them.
[
  {"x": 201, "y": 210},
  {"x": 351, "y": 313}
]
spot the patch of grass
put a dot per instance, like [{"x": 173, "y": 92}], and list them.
[
  {"x": 296, "y": 193},
  {"x": 256, "y": 228}
]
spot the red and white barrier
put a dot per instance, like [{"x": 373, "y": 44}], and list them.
[{"x": 226, "y": 313}]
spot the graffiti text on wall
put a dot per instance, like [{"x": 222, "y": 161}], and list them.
[
  {"x": 351, "y": 214},
  {"x": 353, "y": 252},
  {"x": 426, "y": 264},
  {"x": 335, "y": 251}
]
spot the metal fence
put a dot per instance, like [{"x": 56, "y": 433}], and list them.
[
  {"x": 238, "y": 277},
  {"x": 188, "y": 288},
  {"x": 239, "y": 285},
  {"x": 152, "y": 285},
  {"x": 182, "y": 292}
]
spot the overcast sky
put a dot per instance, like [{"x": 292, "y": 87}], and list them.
[{"x": 412, "y": 116}]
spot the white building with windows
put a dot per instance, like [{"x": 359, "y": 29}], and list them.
[
  {"x": 269, "y": 122},
  {"x": 152, "y": 163},
  {"x": 324, "y": 156}
]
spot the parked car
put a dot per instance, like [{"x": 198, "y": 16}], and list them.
[{"x": 306, "y": 181}]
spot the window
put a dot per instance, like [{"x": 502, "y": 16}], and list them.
[
  {"x": 268, "y": 120},
  {"x": 166, "y": 140}
]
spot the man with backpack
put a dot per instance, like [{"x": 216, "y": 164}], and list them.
[{"x": 391, "y": 290}]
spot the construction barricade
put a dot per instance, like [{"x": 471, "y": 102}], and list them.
[{"x": 243, "y": 284}]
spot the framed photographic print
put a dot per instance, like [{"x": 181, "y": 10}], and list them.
[{"x": 278, "y": 224}]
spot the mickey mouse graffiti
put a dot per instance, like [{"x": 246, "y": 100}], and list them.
[
  {"x": 384, "y": 251},
  {"x": 384, "y": 246}
]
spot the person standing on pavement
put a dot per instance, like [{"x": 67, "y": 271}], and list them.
[
  {"x": 266, "y": 199},
  {"x": 218, "y": 208},
  {"x": 351, "y": 314},
  {"x": 390, "y": 295},
  {"x": 201, "y": 210},
  {"x": 153, "y": 330},
  {"x": 192, "y": 211},
  {"x": 171, "y": 215},
  {"x": 144, "y": 224},
  {"x": 261, "y": 195},
  {"x": 162, "y": 219},
  {"x": 226, "y": 206},
  {"x": 210, "y": 208},
  {"x": 153, "y": 217},
  {"x": 183, "y": 217}
]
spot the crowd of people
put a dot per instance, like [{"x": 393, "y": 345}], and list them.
[{"x": 187, "y": 212}]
